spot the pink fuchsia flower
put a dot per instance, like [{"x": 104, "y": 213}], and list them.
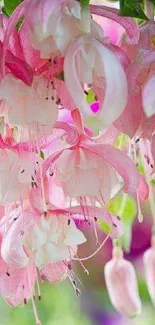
[
  {"x": 52, "y": 27},
  {"x": 108, "y": 74},
  {"x": 122, "y": 286},
  {"x": 40, "y": 239},
  {"x": 90, "y": 157},
  {"x": 29, "y": 107},
  {"x": 131, "y": 27}
]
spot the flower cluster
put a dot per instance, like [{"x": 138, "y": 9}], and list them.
[{"x": 66, "y": 93}]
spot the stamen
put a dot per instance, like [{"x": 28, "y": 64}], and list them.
[
  {"x": 140, "y": 215},
  {"x": 84, "y": 268},
  {"x": 77, "y": 290},
  {"x": 93, "y": 254},
  {"x": 38, "y": 288},
  {"x": 38, "y": 322}
]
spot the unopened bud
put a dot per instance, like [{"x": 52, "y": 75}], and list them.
[
  {"x": 149, "y": 269},
  {"x": 122, "y": 287}
]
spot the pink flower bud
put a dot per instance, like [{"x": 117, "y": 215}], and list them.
[
  {"x": 149, "y": 268},
  {"x": 122, "y": 286}
]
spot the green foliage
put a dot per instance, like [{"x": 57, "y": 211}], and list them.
[
  {"x": 127, "y": 214},
  {"x": 132, "y": 8},
  {"x": 58, "y": 306},
  {"x": 10, "y": 5}
]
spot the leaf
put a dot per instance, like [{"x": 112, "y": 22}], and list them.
[
  {"x": 84, "y": 3},
  {"x": 10, "y": 5},
  {"x": 129, "y": 210},
  {"x": 132, "y": 8},
  {"x": 127, "y": 237},
  {"x": 128, "y": 213},
  {"x": 104, "y": 226}
]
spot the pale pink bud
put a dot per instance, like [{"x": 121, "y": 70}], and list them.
[
  {"x": 149, "y": 268},
  {"x": 122, "y": 286}
]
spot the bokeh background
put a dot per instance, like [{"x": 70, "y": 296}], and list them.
[{"x": 59, "y": 304}]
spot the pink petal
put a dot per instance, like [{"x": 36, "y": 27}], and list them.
[
  {"x": 120, "y": 162},
  {"x": 148, "y": 97},
  {"x": 143, "y": 190},
  {"x": 18, "y": 67},
  {"x": 16, "y": 284},
  {"x": 18, "y": 13},
  {"x": 12, "y": 244},
  {"x": 129, "y": 24},
  {"x": 113, "y": 73},
  {"x": 131, "y": 118},
  {"x": 55, "y": 272}
]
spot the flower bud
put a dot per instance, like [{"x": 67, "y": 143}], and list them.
[
  {"x": 122, "y": 286},
  {"x": 149, "y": 269}
]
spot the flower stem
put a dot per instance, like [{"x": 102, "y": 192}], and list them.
[{"x": 85, "y": 19}]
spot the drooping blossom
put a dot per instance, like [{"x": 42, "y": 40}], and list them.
[
  {"x": 149, "y": 262},
  {"x": 65, "y": 94},
  {"x": 121, "y": 279}
]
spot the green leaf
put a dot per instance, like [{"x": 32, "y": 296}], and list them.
[
  {"x": 132, "y": 8},
  {"x": 104, "y": 226},
  {"x": 84, "y": 3},
  {"x": 129, "y": 211},
  {"x": 153, "y": 1},
  {"x": 127, "y": 237},
  {"x": 10, "y": 5}
]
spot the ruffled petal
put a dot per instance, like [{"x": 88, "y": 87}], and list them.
[
  {"x": 148, "y": 97},
  {"x": 120, "y": 162}
]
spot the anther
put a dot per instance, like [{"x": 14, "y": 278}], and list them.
[
  {"x": 46, "y": 98},
  {"x": 25, "y": 301},
  {"x": 22, "y": 232},
  {"x": 95, "y": 218},
  {"x": 35, "y": 184},
  {"x": 39, "y": 297},
  {"x": 58, "y": 101},
  {"x": 114, "y": 224},
  {"x": 86, "y": 272},
  {"x": 78, "y": 292},
  {"x": 69, "y": 222},
  {"x": 22, "y": 171},
  {"x": 70, "y": 267},
  {"x": 15, "y": 218},
  {"x": 7, "y": 273}
]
